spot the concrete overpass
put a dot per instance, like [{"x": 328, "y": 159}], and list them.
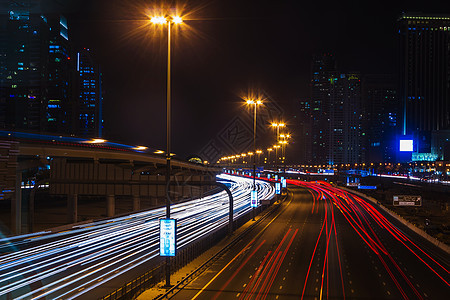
[{"x": 70, "y": 166}]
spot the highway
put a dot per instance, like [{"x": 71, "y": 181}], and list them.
[
  {"x": 324, "y": 243},
  {"x": 75, "y": 263}
]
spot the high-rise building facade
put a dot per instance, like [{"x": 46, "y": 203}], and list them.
[
  {"x": 304, "y": 130},
  {"x": 335, "y": 112},
  {"x": 323, "y": 68},
  {"x": 424, "y": 76},
  {"x": 381, "y": 110},
  {"x": 36, "y": 69},
  {"x": 345, "y": 119},
  {"x": 44, "y": 87},
  {"x": 90, "y": 98}
]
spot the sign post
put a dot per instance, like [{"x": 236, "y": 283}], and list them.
[{"x": 407, "y": 200}]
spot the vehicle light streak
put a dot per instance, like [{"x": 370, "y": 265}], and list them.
[
  {"x": 279, "y": 265},
  {"x": 362, "y": 217},
  {"x": 69, "y": 264}
]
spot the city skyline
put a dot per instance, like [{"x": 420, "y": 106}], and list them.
[
  {"x": 219, "y": 149},
  {"x": 275, "y": 47},
  {"x": 134, "y": 73}
]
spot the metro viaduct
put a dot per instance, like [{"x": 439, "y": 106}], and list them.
[{"x": 73, "y": 167}]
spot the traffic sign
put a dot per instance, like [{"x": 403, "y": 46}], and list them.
[
  {"x": 277, "y": 188},
  {"x": 407, "y": 200}
]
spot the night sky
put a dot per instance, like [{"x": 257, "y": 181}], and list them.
[{"x": 228, "y": 48}]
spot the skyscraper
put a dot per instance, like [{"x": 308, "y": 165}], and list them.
[
  {"x": 36, "y": 69},
  {"x": 304, "y": 130},
  {"x": 381, "y": 109},
  {"x": 90, "y": 100},
  {"x": 323, "y": 69},
  {"x": 335, "y": 113},
  {"x": 424, "y": 76},
  {"x": 345, "y": 119}
]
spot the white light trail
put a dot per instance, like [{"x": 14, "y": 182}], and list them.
[{"x": 71, "y": 263}]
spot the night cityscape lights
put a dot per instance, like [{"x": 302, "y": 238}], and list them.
[{"x": 299, "y": 172}]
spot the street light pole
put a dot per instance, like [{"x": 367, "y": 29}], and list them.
[
  {"x": 255, "y": 103},
  {"x": 168, "y": 132},
  {"x": 254, "y": 159},
  {"x": 169, "y": 20}
]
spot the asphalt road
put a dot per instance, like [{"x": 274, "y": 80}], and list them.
[{"x": 323, "y": 243}]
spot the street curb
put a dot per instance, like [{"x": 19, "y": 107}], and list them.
[{"x": 434, "y": 241}]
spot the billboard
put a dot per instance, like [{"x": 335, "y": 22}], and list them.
[
  {"x": 407, "y": 200},
  {"x": 253, "y": 198},
  {"x": 167, "y": 237},
  {"x": 406, "y": 145},
  {"x": 367, "y": 187}
]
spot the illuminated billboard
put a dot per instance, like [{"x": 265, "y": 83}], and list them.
[
  {"x": 254, "y": 199},
  {"x": 406, "y": 145},
  {"x": 167, "y": 237}
]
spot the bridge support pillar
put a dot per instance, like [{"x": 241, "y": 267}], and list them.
[
  {"x": 136, "y": 202},
  {"x": 110, "y": 205},
  {"x": 16, "y": 206},
  {"x": 72, "y": 208}
]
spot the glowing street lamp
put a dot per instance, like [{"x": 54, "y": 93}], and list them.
[
  {"x": 169, "y": 21},
  {"x": 259, "y": 155},
  {"x": 268, "y": 154}
]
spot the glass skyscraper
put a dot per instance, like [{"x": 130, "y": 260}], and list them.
[
  {"x": 90, "y": 100},
  {"x": 45, "y": 86},
  {"x": 424, "y": 76}
]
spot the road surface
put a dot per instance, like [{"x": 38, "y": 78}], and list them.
[{"x": 324, "y": 243}]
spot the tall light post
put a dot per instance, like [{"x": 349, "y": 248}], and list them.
[
  {"x": 169, "y": 21},
  {"x": 276, "y": 156},
  {"x": 284, "y": 141},
  {"x": 259, "y": 152},
  {"x": 278, "y": 125},
  {"x": 283, "y": 154},
  {"x": 268, "y": 154},
  {"x": 255, "y": 103}
]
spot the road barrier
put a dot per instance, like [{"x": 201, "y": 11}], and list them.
[{"x": 434, "y": 241}]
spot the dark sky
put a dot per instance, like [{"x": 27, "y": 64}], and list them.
[{"x": 228, "y": 47}]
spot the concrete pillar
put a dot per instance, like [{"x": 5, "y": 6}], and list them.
[
  {"x": 110, "y": 205},
  {"x": 72, "y": 208},
  {"x": 16, "y": 206},
  {"x": 136, "y": 202}
]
